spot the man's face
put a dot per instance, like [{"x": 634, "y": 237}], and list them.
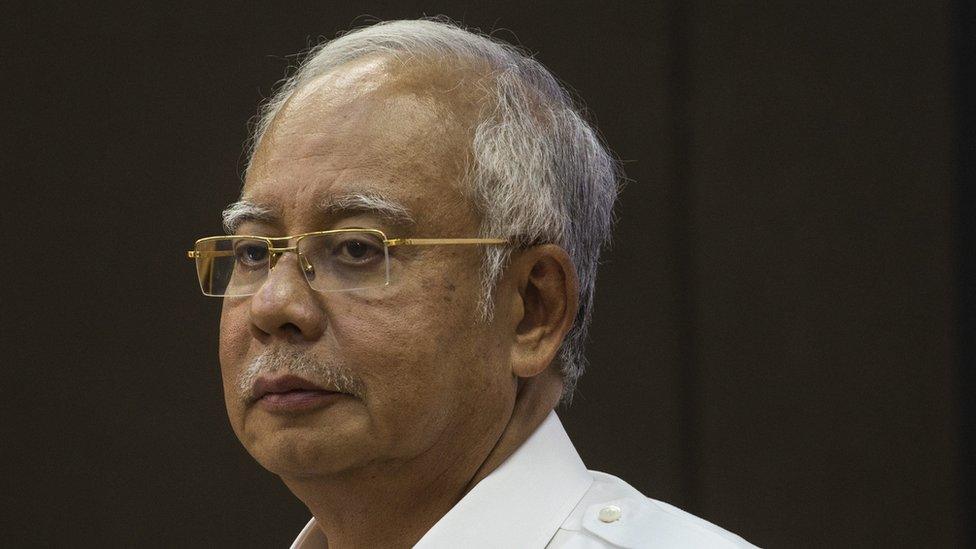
[{"x": 425, "y": 374}]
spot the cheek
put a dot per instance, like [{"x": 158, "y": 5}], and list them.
[
  {"x": 419, "y": 348},
  {"x": 235, "y": 340}
]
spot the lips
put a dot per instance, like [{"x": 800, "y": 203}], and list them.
[
  {"x": 284, "y": 384},
  {"x": 291, "y": 393}
]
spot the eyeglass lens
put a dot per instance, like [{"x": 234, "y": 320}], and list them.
[{"x": 331, "y": 262}]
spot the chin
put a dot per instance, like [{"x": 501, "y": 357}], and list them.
[
  {"x": 309, "y": 448},
  {"x": 308, "y": 460}
]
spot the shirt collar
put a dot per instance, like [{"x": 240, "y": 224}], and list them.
[{"x": 520, "y": 504}]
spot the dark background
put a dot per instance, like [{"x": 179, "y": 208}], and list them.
[{"x": 783, "y": 340}]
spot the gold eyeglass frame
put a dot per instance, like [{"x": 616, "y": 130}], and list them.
[{"x": 276, "y": 253}]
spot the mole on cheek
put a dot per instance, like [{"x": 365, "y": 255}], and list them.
[{"x": 447, "y": 288}]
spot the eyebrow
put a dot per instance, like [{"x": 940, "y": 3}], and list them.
[
  {"x": 343, "y": 205},
  {"x": 368, "y": 203},
  {"x": 242, "y": 211}
]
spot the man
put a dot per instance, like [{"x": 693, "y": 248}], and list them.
[{"x": 406, "y": 293}]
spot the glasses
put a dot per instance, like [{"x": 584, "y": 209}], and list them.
[{"x": 341, "y": 260}]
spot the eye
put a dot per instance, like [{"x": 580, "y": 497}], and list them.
[
  {"x": 358, "y": 250},
  {"x": 251, "y": 254}
]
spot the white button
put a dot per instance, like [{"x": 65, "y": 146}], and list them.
[{"x": 610, "y": 513}]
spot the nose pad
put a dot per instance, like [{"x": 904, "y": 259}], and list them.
[
  {"x": 306, "y": 266},
  {"x": 273, "y": 260}
]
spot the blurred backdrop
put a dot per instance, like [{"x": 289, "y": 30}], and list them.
[{"x": 783, "y": 334}]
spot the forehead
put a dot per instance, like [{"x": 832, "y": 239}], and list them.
[{"x": 362, "y": 128}]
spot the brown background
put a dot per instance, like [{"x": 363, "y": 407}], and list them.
[{"x": 780, "y": 345}]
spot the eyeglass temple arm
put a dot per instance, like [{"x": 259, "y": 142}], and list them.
[{"x": 443, "y": 241}]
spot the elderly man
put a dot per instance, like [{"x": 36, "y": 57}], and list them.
[{"x": 406, "y": 290}]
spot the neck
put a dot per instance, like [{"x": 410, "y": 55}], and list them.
[{"x": 395, "y": 505}]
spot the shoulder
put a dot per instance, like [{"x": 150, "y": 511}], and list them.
[{"x": 615, "y": 514}]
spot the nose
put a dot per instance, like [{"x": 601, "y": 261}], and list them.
[{"x": 285, "y": 306}]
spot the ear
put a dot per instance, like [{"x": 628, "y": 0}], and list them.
[{"x": 544, "y": 307}]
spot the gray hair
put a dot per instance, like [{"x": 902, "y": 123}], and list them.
[{"x": 539, "y": 171}]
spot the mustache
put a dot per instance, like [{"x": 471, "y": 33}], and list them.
[{"x": 330, "y": 374}]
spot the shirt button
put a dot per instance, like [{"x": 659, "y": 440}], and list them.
[{"x": 610, "y": 513}]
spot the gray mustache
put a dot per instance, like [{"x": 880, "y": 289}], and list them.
[{"x": 330, "y": 374}]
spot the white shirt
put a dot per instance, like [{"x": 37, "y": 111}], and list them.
[{"x": 542, "y": 496}]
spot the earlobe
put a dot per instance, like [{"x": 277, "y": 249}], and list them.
[{"x": 549, "y": 294}]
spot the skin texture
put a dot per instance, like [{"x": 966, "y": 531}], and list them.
[{"x": 447, "y": 396}]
